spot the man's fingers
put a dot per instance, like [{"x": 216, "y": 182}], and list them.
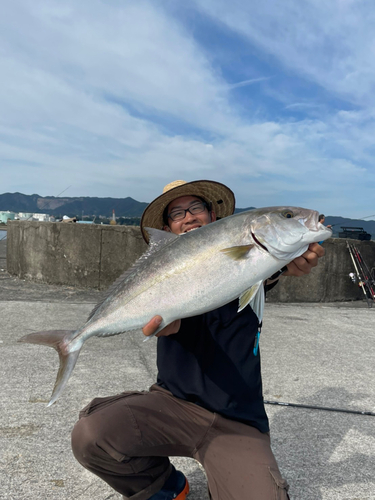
[
  {"x": 171, "y": 328},
  {"x": 318, "y": 249},
  {"x": 294, "y": 269},
  {"x": 152, "y": 326}
]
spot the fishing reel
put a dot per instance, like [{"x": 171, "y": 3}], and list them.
[{"x": 353, "y": 277}]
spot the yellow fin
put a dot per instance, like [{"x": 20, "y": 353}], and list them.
[
  {"x": 246, "y": 296},
  {"x": 239, "y": 252},
  {"x": 254, "y": 296}
]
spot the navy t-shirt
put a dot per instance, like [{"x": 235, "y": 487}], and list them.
[{"x": 211, "y": 362}]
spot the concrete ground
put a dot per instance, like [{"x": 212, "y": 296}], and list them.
[{"x": 316, "y": 354}]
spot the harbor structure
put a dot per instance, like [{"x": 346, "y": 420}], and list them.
[{"x": 6, "y": 215}]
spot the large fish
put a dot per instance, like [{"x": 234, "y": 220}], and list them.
[{"x": 187, "y": 275}]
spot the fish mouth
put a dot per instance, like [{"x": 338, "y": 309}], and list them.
[{"x": 258, "y": 242}]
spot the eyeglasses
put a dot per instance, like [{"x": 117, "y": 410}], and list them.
[{"x": 180, "y": 213}]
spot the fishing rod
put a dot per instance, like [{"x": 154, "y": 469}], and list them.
[
  {"x": 362, "y": 276},
  {"x": 324, "y": 408},
  {"x": 372, "y": 278},
  {"x": 361, "y": 280},
  {"x": 366, "y": 277},
  {"x": 365, "y": 272}
]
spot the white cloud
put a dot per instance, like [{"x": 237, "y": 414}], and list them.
[{"x": 331, "y": 43}]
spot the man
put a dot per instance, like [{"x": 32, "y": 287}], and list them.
[
  {"x": 207, "y": 403},
  {"x": 322, "y": 218}
]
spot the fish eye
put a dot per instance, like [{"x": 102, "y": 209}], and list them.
[{"x": 288, "y": 214}]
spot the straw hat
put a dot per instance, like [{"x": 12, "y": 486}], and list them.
[{"x": 221, "y": 197}]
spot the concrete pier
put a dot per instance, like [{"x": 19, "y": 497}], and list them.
[{"x": 318, "y": 354}]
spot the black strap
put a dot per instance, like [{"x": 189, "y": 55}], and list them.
[{"x": 278, "y": 273}]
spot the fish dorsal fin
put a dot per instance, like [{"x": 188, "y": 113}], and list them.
[
  {"x": 238, "y": 252},
  {"x": 254, "y": 296},
  {"x": 158, "y": 239}
]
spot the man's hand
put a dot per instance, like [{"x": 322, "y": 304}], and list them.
[
  {"x": 154, "y": 324},
  {"x": 302, "y": 265}
]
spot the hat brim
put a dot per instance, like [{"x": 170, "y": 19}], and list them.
[{"x": 221, "y": 197}]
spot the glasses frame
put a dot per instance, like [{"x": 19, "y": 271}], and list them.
[{"x": 203, "y": 203}]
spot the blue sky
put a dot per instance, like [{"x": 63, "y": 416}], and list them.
[{"x": 118, "y": 98}]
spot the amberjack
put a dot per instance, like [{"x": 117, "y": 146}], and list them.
[{"x": 185, "y": 275}]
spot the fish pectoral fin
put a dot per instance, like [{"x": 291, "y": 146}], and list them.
[
  {"x": 57, "y": 339},
  {"x": 238, "y": 252},
  {"x": 254, "y": 296}
]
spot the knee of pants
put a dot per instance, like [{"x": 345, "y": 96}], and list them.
[
  {"x": 84, "y": 439},
  {"x": 96, "y": 441}
]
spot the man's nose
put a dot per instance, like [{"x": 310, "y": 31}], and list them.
[{"x": 189, "y": 216}]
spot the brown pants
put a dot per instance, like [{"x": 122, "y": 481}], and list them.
[{"x": 126, "y": 441}]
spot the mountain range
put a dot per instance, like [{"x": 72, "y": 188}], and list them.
[
  {"x": 73, "y": 207},
  {"x": 123, "y": 207}
]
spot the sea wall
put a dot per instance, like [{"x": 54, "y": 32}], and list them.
[
  {"x": 329, "y": 281},
  {"x": 82, "y": 255},
  {"x": 93, "y": 256}
]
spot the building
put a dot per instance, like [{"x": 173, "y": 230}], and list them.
[
  {"x": 5, "y": 216},
  {"x": 35, "y": 216}
]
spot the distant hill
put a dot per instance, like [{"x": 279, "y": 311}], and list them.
[
  {"x": 338, "y": 222},
  {"x": 124, "y": 207}
]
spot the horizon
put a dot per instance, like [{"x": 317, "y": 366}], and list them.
[{"x": 109, "y": 197}]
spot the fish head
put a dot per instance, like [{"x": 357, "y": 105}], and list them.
[{"x": 286, "y": 232}]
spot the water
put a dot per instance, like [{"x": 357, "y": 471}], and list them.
[{"x": 3, "y": 234}]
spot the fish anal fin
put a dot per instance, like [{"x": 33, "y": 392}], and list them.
[
  {"x": 246, "y": 296},
  {"x": 238, "y": 252}
]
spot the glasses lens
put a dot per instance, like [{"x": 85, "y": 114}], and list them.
[
  {"x": 197, "y": 208},
  {"x": 177, "y": 215}
]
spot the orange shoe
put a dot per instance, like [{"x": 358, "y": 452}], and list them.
[{"x": 176, "y": 487}]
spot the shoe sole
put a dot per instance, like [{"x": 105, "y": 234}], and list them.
[{"x": 184, "y": 493}]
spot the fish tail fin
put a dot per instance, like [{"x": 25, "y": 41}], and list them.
[{"x": 59, "y": 340}]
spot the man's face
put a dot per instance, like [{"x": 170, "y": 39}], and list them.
[{"x": 189, "y": 221}]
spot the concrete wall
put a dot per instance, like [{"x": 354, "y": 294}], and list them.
[
  {"x": 329, "y": 281},
  {"x": 83, "y": 255},
  {"x": 93, "y": 256}
]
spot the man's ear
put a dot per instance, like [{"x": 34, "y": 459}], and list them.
[
  {"x": 167, "y": 228},
  {"x": 213, "y": 216}
]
